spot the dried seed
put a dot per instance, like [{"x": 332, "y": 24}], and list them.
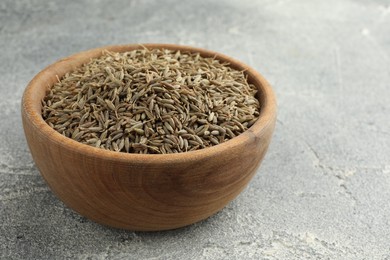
[
  {"x": 117, "y": 136},
  {"x": 92, "y": 141},
  {"x": 139, "y": 146},
  {"x": 185, "y": 144},
  {"x": 181, "y": 142},
  {"x": 115, "y": 147},
  {"x": 139, "y": 131},
  {"x": 169, "y": 127},
  {"x": 215, "y": 132},
  {"x": 214, "y": 140},
  {"x": 230, "y": 133},
  {"x": 110, "y": 104},
  {"x": 182, "y": 132},
  {"x": 127, "y": 144},
  {"x": 121, "y": 144}
]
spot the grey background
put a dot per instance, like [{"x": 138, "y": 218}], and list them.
[{"x": 323, "y": 190}]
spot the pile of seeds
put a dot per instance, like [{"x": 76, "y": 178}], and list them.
[{"x": 151, "y": 101}]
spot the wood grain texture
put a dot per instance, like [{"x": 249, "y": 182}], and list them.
[{"x": 144, "y": 191}]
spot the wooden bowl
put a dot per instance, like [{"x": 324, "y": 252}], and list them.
[{"x": 144, "y": 191}]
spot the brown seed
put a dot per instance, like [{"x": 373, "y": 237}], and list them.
[
  {"x": 93, "y": 129},
  {"x": 169, "y": 127},
  {"x": 181, "y": 142},
  {"x": 110, "y": 104},
  {"x": 198, "y": 139},
  {"x": 127, "y": 144},
  {"x": 139, "y": 146},
  {"x": 185, "y": 144},
  {"x": 139, "y": 131},
  {"x": 211, "y": 116},
  {"x": 214, "y": 140},
  {"x": 121, "y": 144},
  {"x": 92, "y": 141},
  {"x": 115, "y": 146},
  {"x": 215, "y": 132},
  {"x": 202, "y": 121},
  {"x": 117, "y": 136},
  {"x": 230, "y": 133}
]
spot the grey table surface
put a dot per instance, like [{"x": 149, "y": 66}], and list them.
[{"x": 323, "y": 190}]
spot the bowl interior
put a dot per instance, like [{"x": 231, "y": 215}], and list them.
[{"x": 37, "y": 88}]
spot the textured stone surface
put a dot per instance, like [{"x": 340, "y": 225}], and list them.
[{"x": 323, "y": 190}]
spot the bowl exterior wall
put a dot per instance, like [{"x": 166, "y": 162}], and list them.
[{"x": 144, "y": 196}]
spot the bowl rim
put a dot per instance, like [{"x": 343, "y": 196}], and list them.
[{"x": 32, "y": 111}]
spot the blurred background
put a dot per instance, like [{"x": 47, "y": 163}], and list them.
[{"x": 322, "y": 191}]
